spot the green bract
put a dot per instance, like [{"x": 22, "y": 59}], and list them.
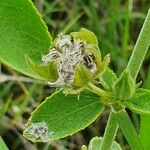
[
  {"x": 124, "y": 87},
  {"x": 107, "y": 79},
  {"x": 85, "y": 35}
]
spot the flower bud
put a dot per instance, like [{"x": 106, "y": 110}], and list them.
[{"x": 124, "y": 87}]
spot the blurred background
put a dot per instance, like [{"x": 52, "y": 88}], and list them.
[{"x": 116, "y": 23}]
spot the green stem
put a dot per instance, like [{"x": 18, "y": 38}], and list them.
[
  {"x": 145, "y": 120},
  {"x": 110, "y": 133},
  {"x": 128, "y": 130},
  {"x": 140, "y": 49},
  {"x": 97, "y": 90},
  {"x": 139, "y": 52}
]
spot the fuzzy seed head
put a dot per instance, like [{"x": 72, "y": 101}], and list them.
[{"x": 69, "y": 52}]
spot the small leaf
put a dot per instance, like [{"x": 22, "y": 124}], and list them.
[
  {"x": 107, "y": 79},
  {"x": 124, "y": 87},
  {"x": 22, "y": 32},
  {"x": 63, "y": 115},
  {"x": 82, "y": 76},
  {"x": 95, "y": 144},
  {"x": 140, "y": 101},
  {"x": 46, "y": 72},
  {"x": 85, "y": 35}
]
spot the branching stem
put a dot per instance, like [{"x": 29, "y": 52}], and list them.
[{"x": 133, "y": 66}]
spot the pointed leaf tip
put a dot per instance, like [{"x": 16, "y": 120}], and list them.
[{"x": 124, "y": 87}]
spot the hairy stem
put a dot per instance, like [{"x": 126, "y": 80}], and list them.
[
  {"x": 110, "y": 132},
  {"x": 128, "y": 130},
  {"x": 140, "y": 49},
  {"x": 133, "y": 66},
  {"x": 97, "y": 90}
]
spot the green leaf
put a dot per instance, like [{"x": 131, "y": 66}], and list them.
[
  {"x": 96, "y": 142},
  {"x": 82, "y": 76},
  {"x": 2, "y": 145},
  {"x": 107, "y": 79},
  {"x": 62, "y": 115},
  {"x": 140, "y": 101},
  {"x": 124, "y": 87},
  {"x": 22, "y": 33},
  {"x": 101, "y": 66},
  {"x": 85, "y": 35}
]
